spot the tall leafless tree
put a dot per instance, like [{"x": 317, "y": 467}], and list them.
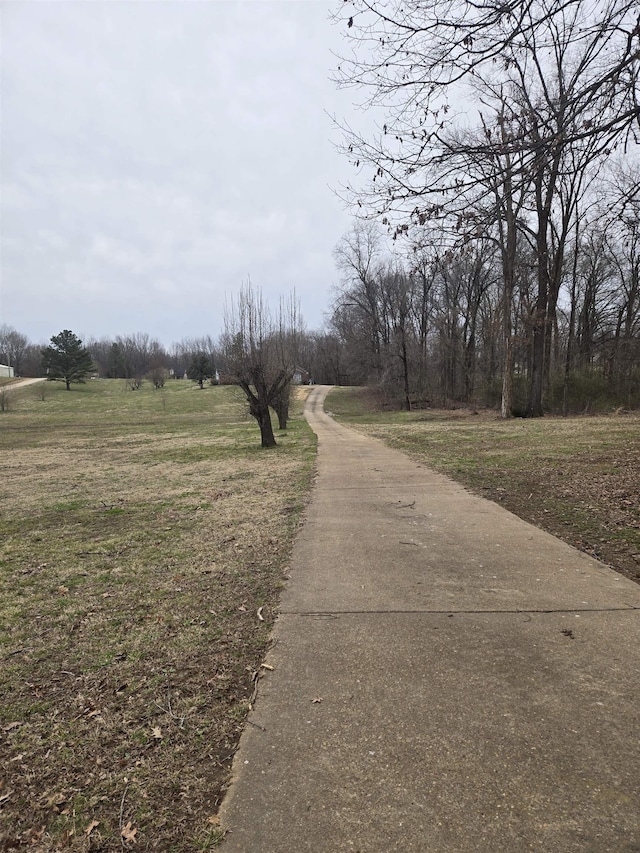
[
  {"x": 553, "y": 77},
  {"x": 259, "y": 353},
  {"x": 13, "y": 347}
]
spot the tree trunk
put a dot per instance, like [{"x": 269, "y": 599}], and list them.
[
  {"x": 263, "y": 416},
  {"x": 405, "y": 374},
  {"x": 535, "y": 409},
  {"x": 506, "y": 406},
  {"x": 281, "y": 409},
  {"x": 508, "y": 229},
  {"x": 540, "y": 314},
  {"x": 508, "y": 275},
  {"x": 259, "y": 409},
  {"x": 570, "y": 337}
]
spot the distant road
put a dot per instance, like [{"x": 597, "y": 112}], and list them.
[{"x": 22, "y": 383}]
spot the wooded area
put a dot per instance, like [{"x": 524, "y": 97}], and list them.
[
  {"x": 432, "y": 332},
  {"x": 506, "y": 164}
]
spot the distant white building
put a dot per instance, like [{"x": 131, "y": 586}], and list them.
[{"x": 6, "y": 372}]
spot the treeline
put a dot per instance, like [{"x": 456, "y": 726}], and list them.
[
  {"x": 506, "y": 160},
  {"x": 429, "y": 330},
  {"x": 134, "y": 357},
  {"x": 139, "y": 357}
]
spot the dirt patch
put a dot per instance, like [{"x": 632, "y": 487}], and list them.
[{"x": 590, "y": 502}]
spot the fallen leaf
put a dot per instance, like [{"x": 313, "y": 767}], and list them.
[
  {"x": 259, "y": 614},
  {"x": 91, "y": 827},
  {"x": 215, "y": 820},
  {"x": 128, "y": 832},
  {"x": 316, "y": 700},
  {"x": 156, "y": 732},
  {"x": 11, "y": 726}
]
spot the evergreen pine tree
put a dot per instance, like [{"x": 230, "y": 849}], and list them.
[{"x": 67, "y": 359}]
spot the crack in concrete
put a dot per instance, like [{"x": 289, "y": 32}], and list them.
[{"x": 335, "y": 614}]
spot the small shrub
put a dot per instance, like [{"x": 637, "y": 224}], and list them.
[
  {"x": 158, "y": 376},
  {"x": 586, "y": 391}
]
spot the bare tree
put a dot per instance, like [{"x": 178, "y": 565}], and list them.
[
  {"x": 258, "y": 354},
  {"x": 397, "y": 289},
  {"x": 158, "y": 375},
  {"x": 623, "y": 243},
  {"x": 288, "y": 341},
  {"x": 325, "y": 356},
  {"x": 182, "y": 353},
  {"x": 13, "y": 347},
  {"x": 136, "y": 354},
  {"x": 554, "y": 77},
  {"x": 358, "y": 257}
]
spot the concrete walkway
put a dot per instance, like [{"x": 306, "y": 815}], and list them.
[{"x": 446, "y": 677}]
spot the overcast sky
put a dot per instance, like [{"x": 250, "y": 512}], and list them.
[{"x": 155, "y": 154}]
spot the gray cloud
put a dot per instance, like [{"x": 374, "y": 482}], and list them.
[{"x": 155, "y": 154}]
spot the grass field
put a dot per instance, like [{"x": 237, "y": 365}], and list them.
[
  {"x": 578, "y": 478},
  {"x": 144, "y": 536}
]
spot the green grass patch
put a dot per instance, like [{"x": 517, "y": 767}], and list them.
[{"x": 140, "y": 532}]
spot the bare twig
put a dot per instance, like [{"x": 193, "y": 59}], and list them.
[
  {"x": 169, "y": 711},
  {"x": 121, "y": 818},
  {"x": 17, "y": 652},
  {"x": 257, "y": 675}
]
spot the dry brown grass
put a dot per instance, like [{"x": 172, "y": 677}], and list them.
[
  {"x": 141, "y": 533},
  {"x": 577, "y": 477}
]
